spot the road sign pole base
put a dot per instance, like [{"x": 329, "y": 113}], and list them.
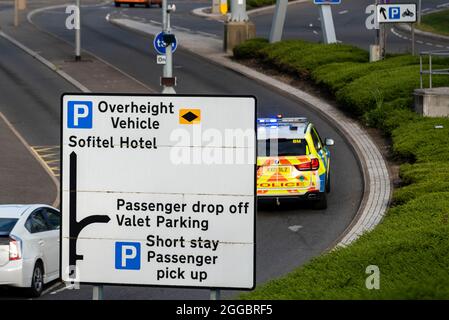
[
  {"x": 77, "y": 58},
  {"x": 237, "y": 32},
  {"x": 374, "y": 53},
  {"x": 168, "y": 90}
]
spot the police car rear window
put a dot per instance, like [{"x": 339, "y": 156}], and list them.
[
  {"x": 282, "y": 147},
  {"x": 6, "y": 225}
]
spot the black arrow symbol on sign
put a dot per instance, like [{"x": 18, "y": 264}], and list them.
[
  {"x": 75, "y": 226},
  {"x": 383, "y": 11}
]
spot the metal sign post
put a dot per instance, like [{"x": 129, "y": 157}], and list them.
[
  {"x": 78, "y": 32},
  {"x": 394, "y": 13},
  {"x": 215, "y": 294},
  {"x": 16, "y": 13},
  {"x": 419, "y": 11},
  {"x": 167, "y": 81},
  {"x": 277, "y": 26},
  {"x": 97, "y": 293},
  {"x": 327, "y": 24}
]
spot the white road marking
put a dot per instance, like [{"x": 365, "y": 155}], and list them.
[
  {"x": 183, "y": 29},
  {"x": 139, "y": 19},
  {"x": 51, "y": 288},
  {"x": 315, "y": 32},
  {"x": 425, "y": 9},
  {"x": 60, "y": 290},
  {"x": 206, "y": 34},
  {"x": 295, "y": 228},
  {"x": 417, "y": 41},
  {"x": 443, "y": 5},
  {"x": 155, "y": 22},
  {"x": 210, "y": 19},
  {"x": 311, "y": 25},
  {"x": 398, "y": 34},
  {"x": 439, "y": 46},
  {"x": 343, "y": 12}
]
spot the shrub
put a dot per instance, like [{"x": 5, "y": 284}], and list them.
[
  {"x": 335, "y": 76},
  {"x": 250, "y": 48},
  {"x": 362, "y": 94},
  {"x": 419, "y": 140}
]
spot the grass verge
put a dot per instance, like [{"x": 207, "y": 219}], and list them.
[
  {"x": 411, "y": 245},
  {"x": 437, "y": 22}
]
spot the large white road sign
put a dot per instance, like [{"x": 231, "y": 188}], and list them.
[{"x": 158, "y": 190}]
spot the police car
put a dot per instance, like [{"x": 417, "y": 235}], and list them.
[{"x": 293, "y": 161}]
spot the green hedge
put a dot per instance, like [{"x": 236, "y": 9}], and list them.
[
  {"x": 367, "y": 90},
  {"x": 411, "y": 245},
  {"x": 251, "y": 4}
]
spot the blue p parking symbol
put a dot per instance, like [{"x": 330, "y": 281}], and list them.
[
  {"x": 127, "y": 255},
  {"x": 394, "y": 13},
  {"x": 79, "y": 115}
]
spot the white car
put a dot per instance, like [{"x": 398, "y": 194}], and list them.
[{"x": 29, "y": 246}]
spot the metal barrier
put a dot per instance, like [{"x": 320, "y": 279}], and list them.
[{"x": 431, "y": 71}]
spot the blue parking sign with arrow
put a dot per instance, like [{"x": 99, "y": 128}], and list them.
[{"x": 160, "y": 45}]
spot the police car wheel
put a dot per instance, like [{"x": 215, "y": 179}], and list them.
[
  {"x": 117, "y": 4},
  {"x": 322, "y": 203},
  {"x": 37, "y": 281},
  {"x": 328, "y": 183}
]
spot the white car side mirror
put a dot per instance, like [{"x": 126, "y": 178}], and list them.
[{"x": 329, "y": 142}]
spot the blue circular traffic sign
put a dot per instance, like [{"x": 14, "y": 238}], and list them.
[{"x": 160, "y": 45}]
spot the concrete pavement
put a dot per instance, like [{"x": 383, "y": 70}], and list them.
[
  {"x": 89, "y": 74},
  {"x": 24, "y": 178}
]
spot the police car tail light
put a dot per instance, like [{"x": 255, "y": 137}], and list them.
[
  {"x": 313, "y": 164},
  {"x": 15, "y": 252}
]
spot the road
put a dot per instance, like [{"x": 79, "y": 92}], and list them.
[
  {"x": 279, "y": 249},
  {"x": 30, "y": 95},
  {"x": 29, "y": 98},
  {"x": 302, "y": 22}
]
